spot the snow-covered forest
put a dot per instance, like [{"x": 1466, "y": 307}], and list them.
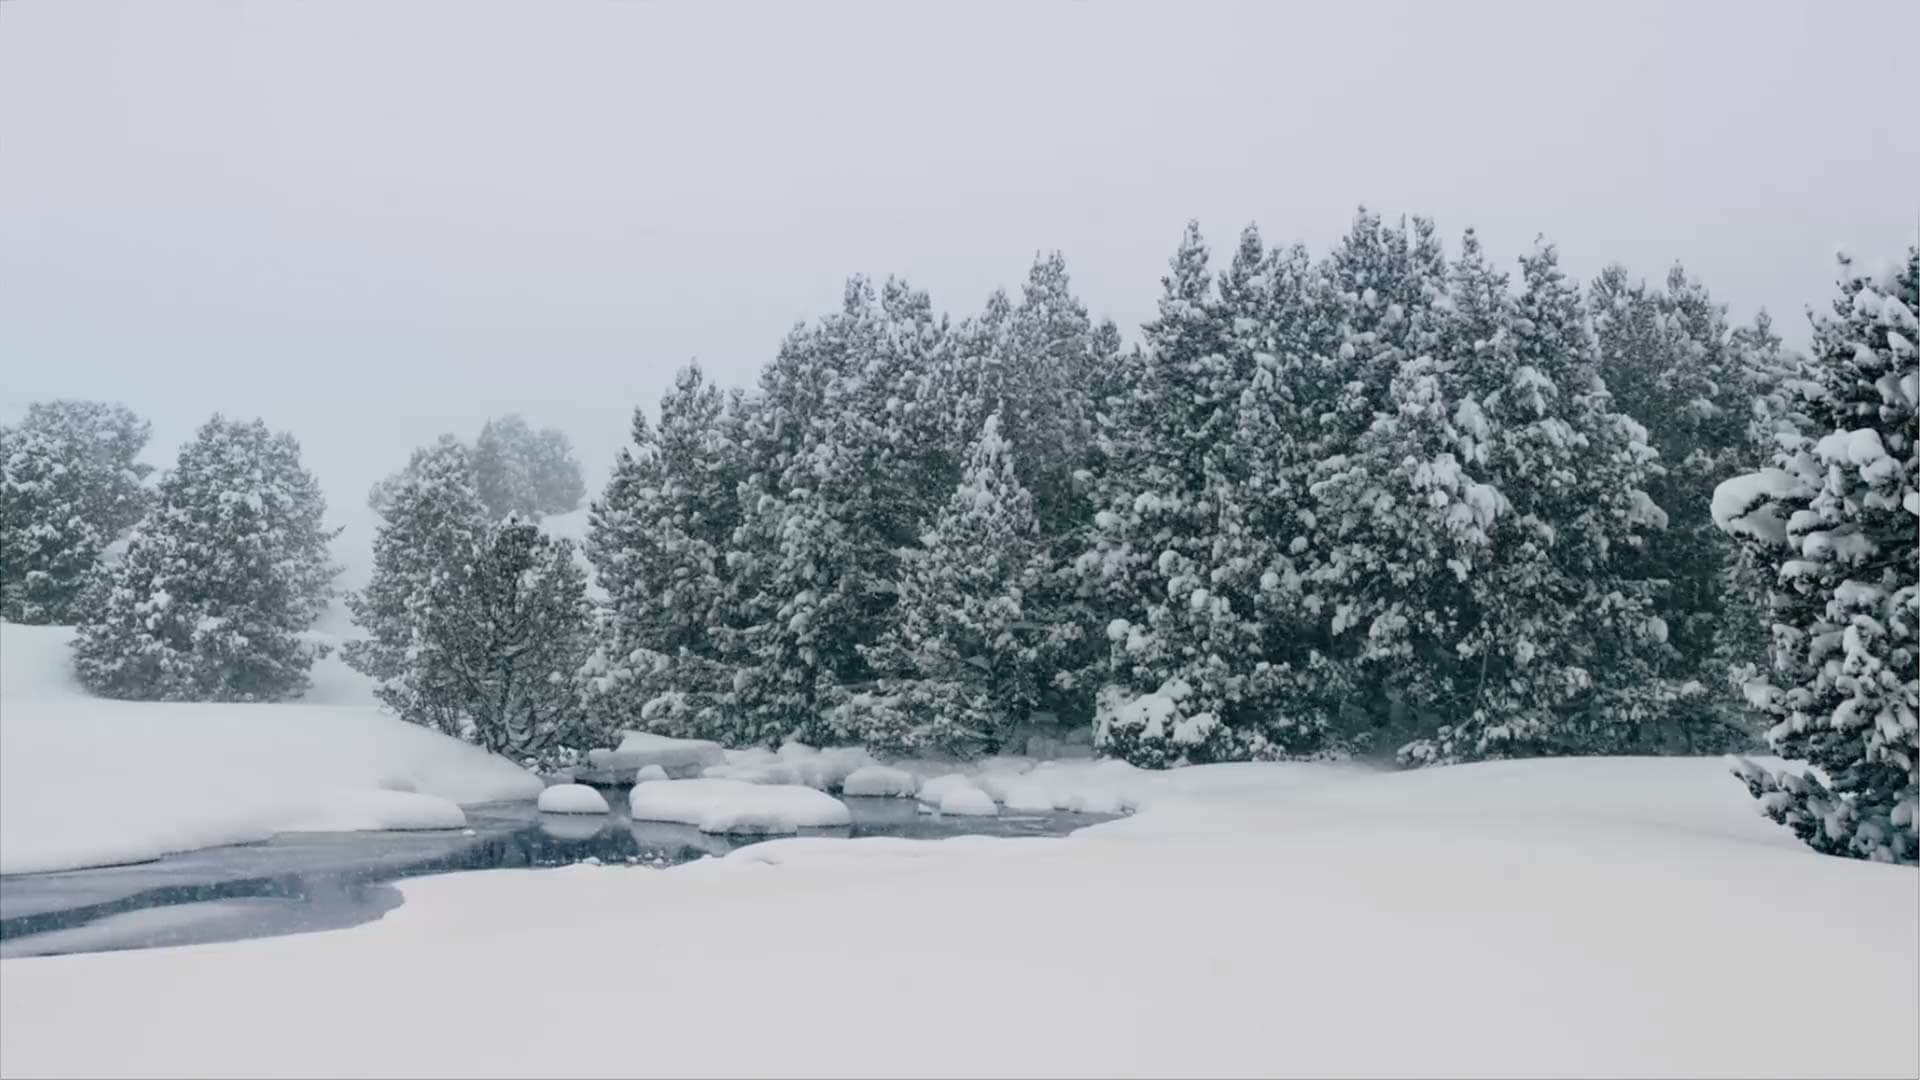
[{"x": 1399, "y": 500}]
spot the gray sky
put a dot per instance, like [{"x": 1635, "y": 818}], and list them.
[{"x": 369, "y": 222}]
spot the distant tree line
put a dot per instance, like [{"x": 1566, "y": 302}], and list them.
[{"x": 1385, "y": 501}]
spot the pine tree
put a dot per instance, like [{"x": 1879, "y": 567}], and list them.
[
  {"x": 658, "y": 539},
  {"x": 1673, "y": 364},
  {"x": 69, "y": 487},
  {"x": 432, "y": 519},
  {"x": 1560, "y": 623},
  {"x": 842, "y": 442},
  {"x": 1153, "y": 540},
  {"x": 220, "y": 582},
  {"x": 526, "y": 472},
  {"x": 1399, "y": 511},
  {"x": 961, "y": 665},
  {"x": 502, "y": 632},
  {"x": 1835, "y": 515}
]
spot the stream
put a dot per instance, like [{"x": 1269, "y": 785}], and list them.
[{"x": 305, "y": 882}]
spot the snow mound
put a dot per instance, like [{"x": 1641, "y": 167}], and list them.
[
  {"x": 722, "y": 805},
  {"x": 932, "y": 791},
  {"x": 375, "y": 810},
  {"x": 955, "y": 793},
  {"x": 880, "y": 780},
  {"x": 203, "y": 775},
  {"x": 650, "y": 773},
  {"x": 795, "y": 763},
  {"x": 967, "y": 802},
  {"x": 677, "y": 757},
  {"x": 573, "y": 799}
]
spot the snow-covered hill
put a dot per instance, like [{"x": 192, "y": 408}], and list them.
[{"x": 86, "y": 781}]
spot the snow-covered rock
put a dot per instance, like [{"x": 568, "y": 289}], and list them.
[
  {"x": 650, "y": 773},
  {"x": 931, "y": 791},
  {"x": 678, "y": 757},
  {"x": 572, "y": 799},
  {"x": 795, "y": 763},
  {"x": 967, "y": 802},
  {"x": 880, "y": 780},
  {"x": 722, "y": 805}
]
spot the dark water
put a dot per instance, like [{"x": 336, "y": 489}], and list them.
[{"x": 303, "y": 882}]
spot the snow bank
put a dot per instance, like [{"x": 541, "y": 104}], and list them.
[
  {"x": 377, "y": 809},
  {"x": 174, "y": 776},
  {"x": 573, "y": 799},
  {"x": 1311, "y": 908},
  {"x": 736, "y": 806}
]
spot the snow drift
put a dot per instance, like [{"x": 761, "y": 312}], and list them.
[{"x": 86, "y": 781}]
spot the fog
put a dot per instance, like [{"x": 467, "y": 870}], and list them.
[{"x": 372, "y": 222}]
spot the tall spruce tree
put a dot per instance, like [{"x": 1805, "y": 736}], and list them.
[
  {"x": 69, "y": 487},
  {"x": 220, "y": 582},
  {"x": 658, "y": 540},
  {"x": 961, "y": 665},
  {"x": 432, "y": 519},
  {"x": 1835, "y": 515},
  {"x": 1672, "y": 363}
]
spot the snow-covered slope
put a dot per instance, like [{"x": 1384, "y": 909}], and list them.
[
  {"x": 1606, "y": 917},
  {"x": 88, "y": 782}
]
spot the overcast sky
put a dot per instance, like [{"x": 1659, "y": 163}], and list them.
[{"x": 370, "y": 222}]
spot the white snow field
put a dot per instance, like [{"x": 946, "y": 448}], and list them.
[
  {"x": 86, "y": 781},
  {"x": 736, "y": 806},
  {"x": 1598, "y": 917}
]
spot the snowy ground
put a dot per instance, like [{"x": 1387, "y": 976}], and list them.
[
  {"x": 178, "y": 776},
  {"x": 1595, "y": 917}
]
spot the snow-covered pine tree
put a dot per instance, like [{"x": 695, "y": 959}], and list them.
[
  {"x": 1152, "y": 542},
  {"x": 1836, "y": 514},
  {"x": 502, "y": 632},
  {"x": 432, "y": 519},
  {"x": 1556, "y": 631},
  {"x": 526, "y": 472},
  {"x": 842, "y": 442},
  {"x": 1262, "y": 552},
  {"x": 1400, "y": 512},
  {"x": 69, "y": 487},
  {"x": 221, "y": 581},
  {"x": 1671, "y": 363},
  {"x": 657, "y": 539},
  {"x": 961, "y": 664}
]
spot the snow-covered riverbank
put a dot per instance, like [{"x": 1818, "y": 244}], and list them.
[{"x": 1597, "y": 917}]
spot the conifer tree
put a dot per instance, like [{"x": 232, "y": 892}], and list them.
[
  {"x": 432, "y": 519},
  {"x": 69, "y": 487},
  {"x": 658, "y": 539},
  {"x": 1835, "y": 514},
  {"x": 522, "y": 471},
  {"x": 1672, "y": 363},
  {"x": 221, "y": 580},
  {"x": 500, "y": 637},
  {"x": 961, "y": 664}
]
